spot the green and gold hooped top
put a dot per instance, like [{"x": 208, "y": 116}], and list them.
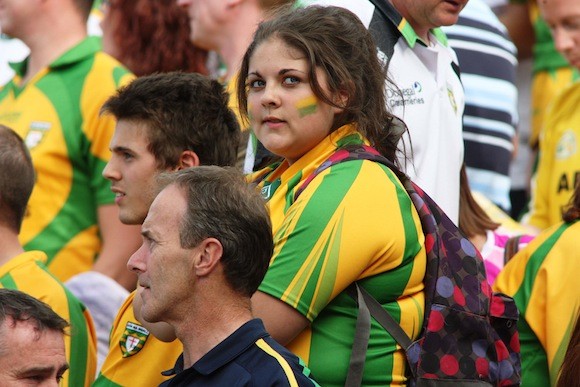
[{"x": 57, "y": 114}]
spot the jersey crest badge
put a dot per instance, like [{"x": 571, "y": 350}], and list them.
[
  {"x": 36, "y": 133},
  {"x": 268, "y": 190},
  {"x": 451, "y": 96},
  {"x": 133, "y": 339},
  {"x": 567, "y": 145}
]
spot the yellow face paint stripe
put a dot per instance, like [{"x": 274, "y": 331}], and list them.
[
  {"x": 307, "y": 106},
  {"x": 283, "y": 363}
]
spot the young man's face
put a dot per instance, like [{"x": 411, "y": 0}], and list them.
[
  {"x": 563, "y": 18},
  {"x": 132, "y": 171},
  {"x": 30, "y": 357}
]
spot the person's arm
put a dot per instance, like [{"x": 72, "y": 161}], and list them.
[
  {"x": 282, "y": 321},
  {"x": 120, "y": 241}
]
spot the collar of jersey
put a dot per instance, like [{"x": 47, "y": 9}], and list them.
[
  {"x": 407, "y": 31},
  {"x": 87, "y": 47}
]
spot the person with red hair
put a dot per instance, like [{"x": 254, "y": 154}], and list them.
[{"x": 150, "y": 36}]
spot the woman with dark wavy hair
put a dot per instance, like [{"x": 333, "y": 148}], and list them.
[{"x": 150, "y": 36}]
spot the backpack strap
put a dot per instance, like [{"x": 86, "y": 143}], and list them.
[
  {"x": 360, "y": 344},
  {"x": 512, "y": 246},
  {"x": 368, "y": 304}
]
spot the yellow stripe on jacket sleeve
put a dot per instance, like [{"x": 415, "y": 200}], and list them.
[{"x": 283, "y": 363}]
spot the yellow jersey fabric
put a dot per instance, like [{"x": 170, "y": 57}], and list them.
[
  {"x": 559, "y": 161},
  {"x": 543, "y": 280}
]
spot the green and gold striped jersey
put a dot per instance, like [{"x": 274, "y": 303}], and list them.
[
  {"x": 543, "y": 280},
  {"x": 354, "y": 222},
  {"x": 57, "y": 114}
]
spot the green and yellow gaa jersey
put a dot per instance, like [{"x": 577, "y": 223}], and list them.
[
  {"x": 354, "y": 222},
  {"x": 57, "y": 114},
  {"x": 136, "y": 358},
  {"x": 542, "y": 279}
]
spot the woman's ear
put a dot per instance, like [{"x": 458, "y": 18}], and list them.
[
  {"x": 188, "y": 159},
  {"x": 341, "y": 100}
]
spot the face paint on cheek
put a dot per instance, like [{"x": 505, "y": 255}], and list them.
[{"x": 307, "y": 106}]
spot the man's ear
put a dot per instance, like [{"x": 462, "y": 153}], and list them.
[
  {"x": 188, "y": 159},
  {"x": 210, "y": 252}
]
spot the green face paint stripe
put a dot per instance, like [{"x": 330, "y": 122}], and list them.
[{"x": 307, "y": 106}]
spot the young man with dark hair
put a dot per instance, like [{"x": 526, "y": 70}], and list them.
[
  {"x": 26, "y": 271},
  {"x": 165, "y": 122}
]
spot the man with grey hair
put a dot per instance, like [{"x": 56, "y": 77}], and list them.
[{"x": 203, "y": 257}]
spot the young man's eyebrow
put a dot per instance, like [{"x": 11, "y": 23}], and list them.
[{"x": 120, "y": 148}]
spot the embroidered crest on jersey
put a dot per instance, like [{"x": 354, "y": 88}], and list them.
[
  {"x": 567, "y": 145},
  {"x": 451, "y": 97},
  {"x": 266, "y": 192},
  {"x": 133, "y": 339},
  {"x": 37, "y": 131}
]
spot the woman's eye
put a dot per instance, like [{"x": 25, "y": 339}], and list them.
[
  {"x": 257, "y": 83},
  {"x": 291, "y": 80}
]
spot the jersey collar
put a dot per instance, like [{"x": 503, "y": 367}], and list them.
[
  {"x": 86, "y": 48},
  {"x": 407, "y": 30}
]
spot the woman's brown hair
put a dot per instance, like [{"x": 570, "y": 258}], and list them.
[{"x": 334, "y": 40}]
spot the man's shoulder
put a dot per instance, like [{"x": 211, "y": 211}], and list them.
[{"x": 267, "y": 362}]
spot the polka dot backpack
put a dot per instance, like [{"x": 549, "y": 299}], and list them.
[{"x": 469, "y": 335}]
